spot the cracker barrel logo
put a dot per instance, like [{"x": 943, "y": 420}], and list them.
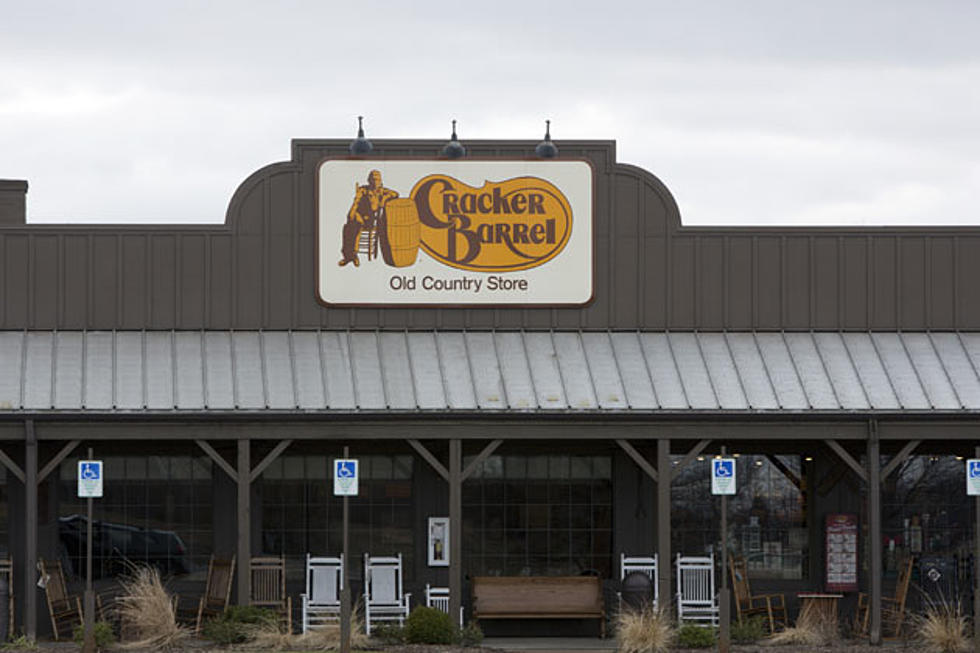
[{"x": 515, "y": 224}]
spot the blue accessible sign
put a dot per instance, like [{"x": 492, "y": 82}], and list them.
[
  {"x": 89, "y": 479},
  {"x": 973, "y": 477},
  {"x": 723, "y": 476},
  {"x": 345, "y": 473}
]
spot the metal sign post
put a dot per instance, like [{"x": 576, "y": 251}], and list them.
[
  {"x": 973, "y": 489},
  {"x": 723, "y": 483},
  {"x": 89, "y": 487},
  {"x": 345, "y": 481}
]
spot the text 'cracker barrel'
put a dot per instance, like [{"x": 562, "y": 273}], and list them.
[{"x": 400, "y": 244}]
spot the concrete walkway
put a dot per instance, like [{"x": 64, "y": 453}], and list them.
[{"x": 552, "y": 644}]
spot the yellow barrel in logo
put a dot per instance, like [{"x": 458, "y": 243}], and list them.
[{"x": 400, "y": 244}]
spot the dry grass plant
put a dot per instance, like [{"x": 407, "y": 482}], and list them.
[
  {"x": 942, "y": 628},
  {"x": 146, "y": 612},
  {"x": 326, "y": 638},
  {"x": 813, "y": 628},
  {"x": 647, "y": 630}
]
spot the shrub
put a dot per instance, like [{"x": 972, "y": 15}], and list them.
[
  {"x": 471, "y": 635},
  {"x": 748, "y": 631},
  {"x": 239, "y": 624},
  {"x": 806, "y": 633},
  {"x": 691, "y": 636},
  {"x": 104, "y": 636},
  {"x": 389, "y": 634},
  {"x": 429, "y": 626},
  {"x": 644, "y": 631},
  {"x": 942, "y": 628}
]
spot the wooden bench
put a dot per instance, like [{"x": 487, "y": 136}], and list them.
[{"x": 539, "y": 597}]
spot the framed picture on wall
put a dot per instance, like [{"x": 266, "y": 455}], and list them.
[{"x": 438, "y": 541}]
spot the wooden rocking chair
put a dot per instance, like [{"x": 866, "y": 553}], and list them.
[
  {"x": 892, "y": 608},
  {"x": 770, "y": 606},
  {"x": 269, "y": 588},
  {"x": 65, "y": 609},
  {"x": 217, "y": 593}
]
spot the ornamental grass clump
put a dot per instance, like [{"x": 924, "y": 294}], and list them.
[
  {"x": 146, "y": 612},
  {"x": 942, "y": 628},
  {"x": 323, "y": 638},
  {"x": 646, "y": 630}
]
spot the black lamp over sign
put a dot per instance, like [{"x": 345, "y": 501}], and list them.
[
  {"x": 454, "y": 149},
  {"x": 546, "y": 149},
  {"x": 360, "y": 145}
]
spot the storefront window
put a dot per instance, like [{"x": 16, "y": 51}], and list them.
[
  {"x": 539, "y": 515},
  {"x": 156, "y": 510},
  {"x": 300, "y": 515},
  {"x": 766, "y": 518}
]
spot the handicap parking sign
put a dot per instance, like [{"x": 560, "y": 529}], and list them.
[
  {"x": 723, "y": 476},
  {"x": 973, "y": 477},
  {"x": 345, "y": 472},
  {"x": 89, "y": 479}
]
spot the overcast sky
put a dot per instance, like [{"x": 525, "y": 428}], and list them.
[{"x": 750, "y": 112}]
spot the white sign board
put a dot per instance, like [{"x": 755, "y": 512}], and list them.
[
  {"x": 723, "y": 476},
  {"x": 973, "y": 477},
  {"x": 449, "y": 233},
  {"x": 89, "y": 479},
  {"x": 345, "y": 473}
]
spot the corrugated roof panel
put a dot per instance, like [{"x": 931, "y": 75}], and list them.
[
  {"x": 399, "y": 386},
  {"x": 871, "y": 371},
  {"x": 515, "y": 371},
  {"x": 635, "y": 375},
  {"x": 159, "y": 370},
  {"x": 366, "y": 363},
  {"x": 247, "y": 366},
  {"x": 837, "y": 361},
  {"x": 97, "y": 393},
  {"x": 752, "y": 371},
  {"x": 11, "y": 360},
  {"x": 482, "y": 354},
  {"x": 934, "y": 379},
  {"x": 460, "y": 391},
  {"x": 961, "y": 371},
  {"x": 609, "y": 391},
  {"x": 785, "y": 381},
  {"x": 337, "y": 369},
  {"x": 725, "y": 379},
  {"x": 280, "y": 388},
  {"x": 900, "y": 371},
  {"x": 219, "y": 380},
  {"x": 37, "y": 384},
  {"x": 667, "y": 382},
  {"x": 309, "y": 374},
  {"x": 129, "y": 370},
  {"x": 68, "y": 370},
  {"x": 430, "y": 393},
  {"x": 574, "y": 368},
  {"x": 545, "y": 374},
  {"x": 813, "y": 374},
  {"x": 190, "y": 370},
  {"x": 694, "y": 373}
]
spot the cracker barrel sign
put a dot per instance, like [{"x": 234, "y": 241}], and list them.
[{"x": 454, "y": 232}]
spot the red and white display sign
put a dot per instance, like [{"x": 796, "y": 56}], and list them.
[{"x": 842, "y": 553}]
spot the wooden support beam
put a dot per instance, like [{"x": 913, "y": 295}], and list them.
[
  {"x": 218, "y": 459},
  {"x": 487, "y": 451},
  {"x": 686, "y": 460},
  {"x": 638, "y": 459},
  {"x": 429, "y": 458},
  {"x": 30, "y": 531},
  {"x": 11, "y": 466},
  {"x": 830, "y": 479},
  {"x": 786, "y": 471},
  {"x": 455, "y": 526},
  {"x": 899, "y": 458},
  {"x": 54, "y": 462},
  {"x": 848, "y": 459},
  {"x": 664, "y": 565},
  {"x": 269, "y": 459},
  {"x": 874, "y": 535},
  {"x": 244, "y": 522}
]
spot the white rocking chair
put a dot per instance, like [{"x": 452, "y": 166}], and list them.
[
  {"x": 438, "y": 597},
  {"x": 697, "y": 602},
  {"x": 642, "y": 564},
  {"x": 383, "y": 596},
  {"x": 321, "y": 602}
]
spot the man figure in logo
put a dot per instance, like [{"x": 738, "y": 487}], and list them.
[{"x": 366, "y": 212}]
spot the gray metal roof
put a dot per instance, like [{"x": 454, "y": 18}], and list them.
[{"x": 599, "y": 372}]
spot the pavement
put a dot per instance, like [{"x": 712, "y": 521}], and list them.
[{"x": 551, "y": 644}]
